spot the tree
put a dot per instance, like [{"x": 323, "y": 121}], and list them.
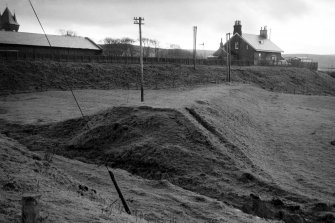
[
  {"x": 174, "y": 46},
  {"x": 109, "y": 40},
  {"x": 155, "y": 44},
  {"x": 148, "y": 44},
  {"x": 64, "y": 32},
  {"x": 146, "y": 47},
  {"x": 111, "y": 46},
  {"x": 119, "y": 47},
  {"x": 127, "y": 44}
]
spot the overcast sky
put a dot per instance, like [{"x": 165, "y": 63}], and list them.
[{"x": 297, "y": 26}]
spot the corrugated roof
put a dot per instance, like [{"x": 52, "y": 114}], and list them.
[
  {"x": 34, "y": 39},
  {"x": 260, "y": 43}
]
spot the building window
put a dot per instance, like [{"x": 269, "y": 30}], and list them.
[
  {"x": 236, "y": 45},
  {"x": 247, "y": 47}
]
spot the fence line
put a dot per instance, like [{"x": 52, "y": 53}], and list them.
[{"x": 16, "y": 55}]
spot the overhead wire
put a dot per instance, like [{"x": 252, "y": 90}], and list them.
[
  {"x": 66, "y": 80},
  {"x": 82, "y": 114},
  {"x": 39, "y": 22}
]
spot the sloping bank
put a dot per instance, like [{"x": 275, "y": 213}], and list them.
[
  {"x": 30, "y": 76},
  {"x": 159, "y": 143}
]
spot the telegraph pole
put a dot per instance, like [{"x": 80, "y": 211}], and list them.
[
  {"x": 139, "y": 21},
  {"x": 228, "y": 55},
  {"x": 194, "y": 44}
]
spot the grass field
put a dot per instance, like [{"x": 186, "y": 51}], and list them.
[
  {"x": 32, "y": 76},
  {"x": 196, "y": 153}
]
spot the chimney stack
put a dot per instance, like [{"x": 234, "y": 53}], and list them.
[
  {"x": 264, "y": 32},
  {"x": 238, "y": 27},
  {"x": 221, "y": 44}
]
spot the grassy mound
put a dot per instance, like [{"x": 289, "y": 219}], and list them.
[
  {"x": 163, "y": 144},
  {"x": 154, "y": 143}
]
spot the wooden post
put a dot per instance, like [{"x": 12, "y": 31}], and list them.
[
  {"x": 194, "y": 45},
  {"x": 125, "y": 205},
  {"x": 139, "y": 21},
  {"x": 228, "y": 56},
  {"x": 227, "y": 51},
  {"x": 30, "y": 208}
]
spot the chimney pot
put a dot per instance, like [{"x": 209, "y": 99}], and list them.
[
  {"x": 238, "y": 27},
  {"x": 264, "y": 32}
]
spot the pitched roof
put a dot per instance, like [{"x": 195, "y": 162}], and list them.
[
  {"x": 8, "y": 18},
  {"x": 34, "y": 39},
  {"x": 14, "y": 17},
  {"x": 220, "y": 52},
  {"x": 260, "y": 43}
]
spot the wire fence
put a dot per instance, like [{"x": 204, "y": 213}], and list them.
[{"x": 16, "y": 55}]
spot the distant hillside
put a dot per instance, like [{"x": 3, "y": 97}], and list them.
[
  {"x": 203, "y": 53},
  {"x": 134, "y": 50},
  {"x": 325, "y": 61}
]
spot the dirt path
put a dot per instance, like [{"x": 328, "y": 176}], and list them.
[{"x": 53, "y": 106}]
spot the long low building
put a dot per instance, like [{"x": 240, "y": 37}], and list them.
[{"x": 33, "y": 43}]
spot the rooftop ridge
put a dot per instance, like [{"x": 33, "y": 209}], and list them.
[{"x": 38, "y": 39}]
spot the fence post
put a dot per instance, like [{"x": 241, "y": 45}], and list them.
[
  {"x": 30, "y": 208},
  {"x": 125, "y": 205}
]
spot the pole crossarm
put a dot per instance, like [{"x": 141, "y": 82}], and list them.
[{"x": 138, "y": 20}]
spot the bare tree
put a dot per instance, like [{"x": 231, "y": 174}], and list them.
[
  {"x": 119, "y": 47},
  {"x": 128, "y": 46},
  {"x": 64, "y": 32},
  {"x": 155, "y": 44},
  {"x": 146, "y": 46},
  {"x": 109, "y": 40},
  {"x": 111, "y": 46},
  {"x": 174, "y": 46}
]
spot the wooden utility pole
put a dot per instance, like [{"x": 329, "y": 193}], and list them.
[
  {"x": 228, "y": 55},
  {"x": 229, "y": 43},
  {"x": 194, "y": 44},
  {"x": 140, "y": 23}
]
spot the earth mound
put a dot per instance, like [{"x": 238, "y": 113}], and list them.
[{"x": 163, "y": 144}]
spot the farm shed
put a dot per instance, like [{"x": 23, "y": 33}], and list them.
[
  {"x": 33, "y": 43},
  {"x": 13, "y": 41}
]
